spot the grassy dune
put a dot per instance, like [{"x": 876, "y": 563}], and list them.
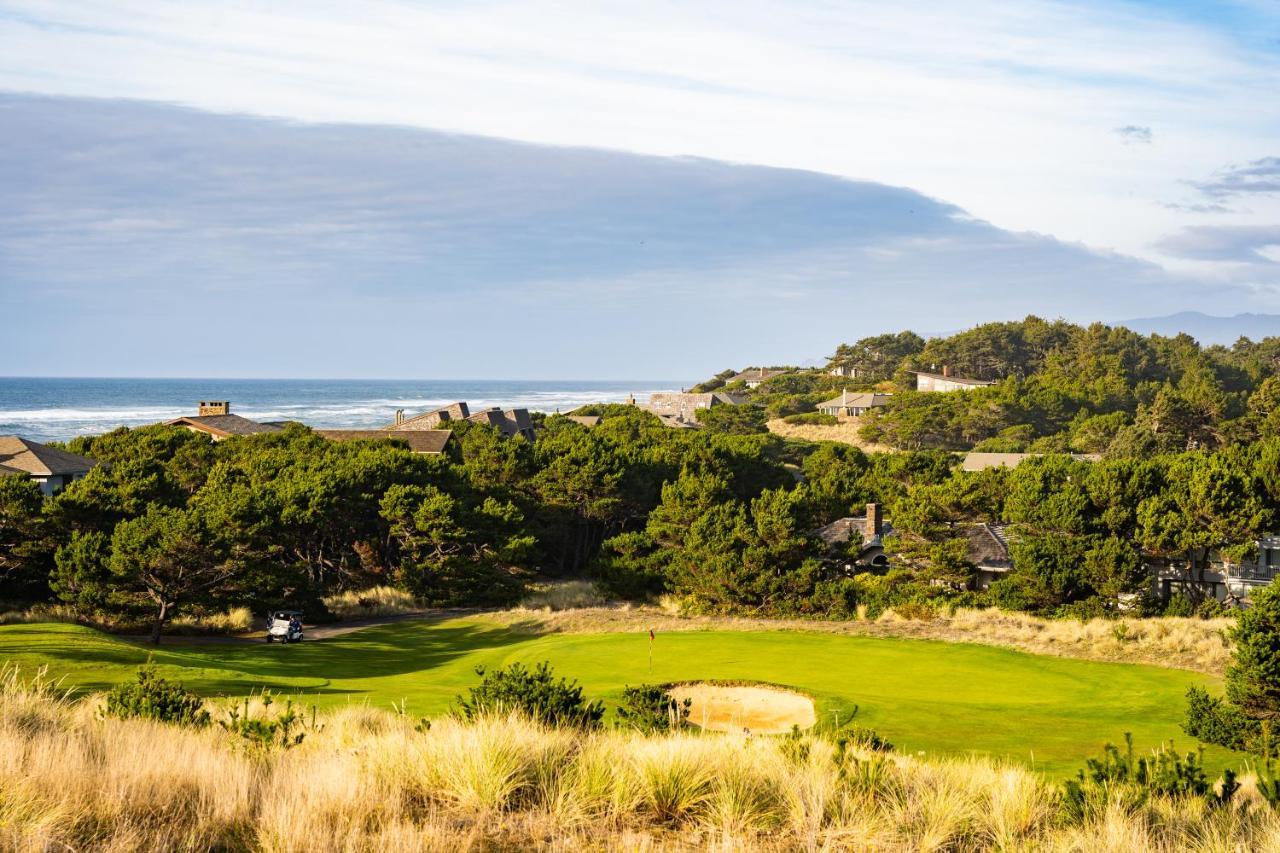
[
  {"x": 369, "y": 780},
  {"x": 939, "y": 698}
]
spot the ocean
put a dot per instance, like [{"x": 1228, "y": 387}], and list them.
[{"x": 60, "y": 409}]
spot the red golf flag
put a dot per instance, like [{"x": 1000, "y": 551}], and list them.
[{"x": 651, "y": 635}]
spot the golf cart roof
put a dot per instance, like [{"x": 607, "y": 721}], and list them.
[{"x": 286, "y": 612}]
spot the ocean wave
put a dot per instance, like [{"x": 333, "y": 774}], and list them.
[{"x": 356, "y": 410}]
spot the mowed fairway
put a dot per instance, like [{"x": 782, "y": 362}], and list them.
[{"x": 921, "y": 695}]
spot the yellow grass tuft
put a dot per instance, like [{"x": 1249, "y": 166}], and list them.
[
  {"x": 371, "y": 602},
  {"x": 369, "y": 780}
]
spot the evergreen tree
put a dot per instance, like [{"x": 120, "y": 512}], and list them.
[{"x": 1253, "y": 679}]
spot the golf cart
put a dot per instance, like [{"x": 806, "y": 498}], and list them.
[{"x": 285, "y": 626}]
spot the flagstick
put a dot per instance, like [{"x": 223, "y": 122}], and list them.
[{"x": 651, "y": 652}]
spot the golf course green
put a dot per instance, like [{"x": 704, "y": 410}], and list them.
[{"x": 939, "y": 698}]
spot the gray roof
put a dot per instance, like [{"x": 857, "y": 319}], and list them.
[
  {"x": 223, "y": 425},
  {"x": 842, "y": 529},
  {"x": 856, "y": 401},
  {"x": 675, "y": 423},
  {"x": 758, "y": 374},
  {"x": 40, "y": 460},
  {"x": 975, "y": 461},
  {"x": 585, "y": 420},
  {"x": 987, "y": 546},
  {"x": 432, "y": 441},
  {"x": 453, "y": 411}
]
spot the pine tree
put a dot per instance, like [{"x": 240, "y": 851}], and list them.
[{"x": 1253, "y": 679}]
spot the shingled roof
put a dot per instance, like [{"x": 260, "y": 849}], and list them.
[
  {"x": 223, "y": 426},
  {"x": 757, "y": 374},
  {"x": 431, "y": 441},
  {"x": 987, "y": 546},
  {"x": 40, "y": 460}
]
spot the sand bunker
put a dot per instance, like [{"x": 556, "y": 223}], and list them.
[{"x": 760, "y": 710}]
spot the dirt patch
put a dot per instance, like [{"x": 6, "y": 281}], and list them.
[{"x": 758, "y": 710}]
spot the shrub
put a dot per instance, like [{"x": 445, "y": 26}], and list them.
[
  {"x": 1251, "y": 679},
  {"x": 1133, "y": 781},
  {"x": 1211, "y": 720},
  {"x": 154, "y": 698},
  {"x": 863, "y": 738},
  {"x": 263, "y": 732},
  {"x": 534, "y": 692},
  {"x": 649, "y": 708},
  {"x": 816, "y": 418}
]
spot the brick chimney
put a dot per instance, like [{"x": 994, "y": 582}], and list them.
[
  {"x": 874, "y": 524},
  {"x": 214, "y": 407}
]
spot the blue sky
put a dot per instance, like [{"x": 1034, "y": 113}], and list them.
[{"x": 547, "y": 189}]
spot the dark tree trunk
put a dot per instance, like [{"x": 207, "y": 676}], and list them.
[{"x": 158, "y": 626}]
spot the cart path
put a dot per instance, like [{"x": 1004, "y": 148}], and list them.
[{"x": 310, "y": 632}]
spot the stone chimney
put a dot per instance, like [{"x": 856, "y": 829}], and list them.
[
  {"x": 874, "y": 524},
  {"x": 946, "y": 370},
  {"x": 214, "y": 407}
]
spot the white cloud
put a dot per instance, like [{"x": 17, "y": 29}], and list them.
[{"x": 1004, "y": 109}]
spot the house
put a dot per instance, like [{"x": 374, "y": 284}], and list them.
[
  {"x": 432, "y": 442},
  {"x": 432, "y": 419},
  {"x": 214, "y": 418},
  {"x": 683, "y": 406},
  {"x": 585, "y": 420},
  {"x": 988, "y": 551},
  {"x": 754, "y": 376},
  {"x": 872, "y": 528},
  {"x": 982, "y": 461},
  {"x": 510, "y": 422},
  {"x": 673, "y": 422},
  {"x": 844, "y": 371},
  {"x": 1207, "y": 574},
  {"x": 853, "y": 405},
  {"x": 52, "y": 468},
  {"x": 945, "y": 382}
]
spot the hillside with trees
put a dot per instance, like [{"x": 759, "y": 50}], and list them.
[{"x": 1059, "y": 387}]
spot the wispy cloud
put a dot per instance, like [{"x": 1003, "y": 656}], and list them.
[
  {"x": 1133, "y": 134},
  {"x": 1246, "y": 244},
  {"x": 1260, "y": 176}
]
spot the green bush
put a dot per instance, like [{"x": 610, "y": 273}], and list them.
[
  {"x": 650, "y": 708},
  {"x": 1132, "y": 781},
  {"x": 1211, "y": 720},
  {"x": 533, "y": 692},
  {"x": 266, "y": 732},
  {"x": 154, "y": 698},
  {"x": 817, "y": 418}
]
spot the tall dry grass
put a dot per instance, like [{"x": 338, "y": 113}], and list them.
[
  {"x": 371, "y": 780},
  {"x": 562, "y": 595},
  {"x": 372, "y": 602}
]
